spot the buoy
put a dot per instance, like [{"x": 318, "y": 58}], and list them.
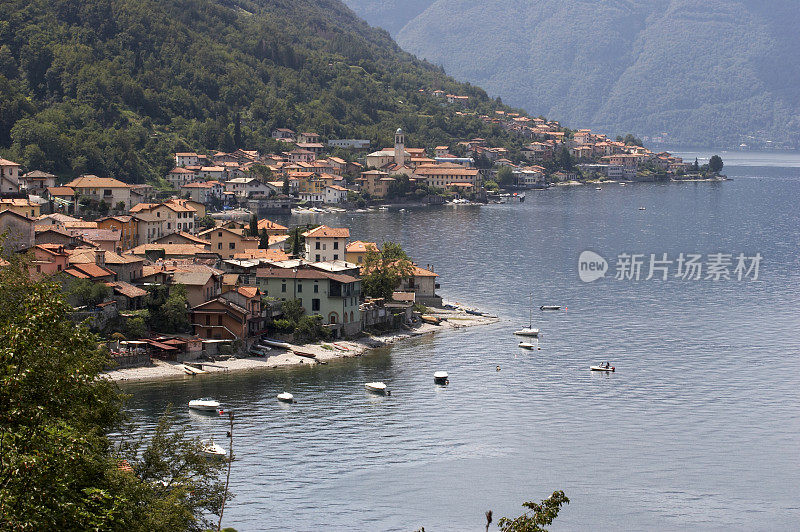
[
  {"x": 388, "y": 392},
  {"x": 221, "y": 411},
  {"x": 498, "y": 368}
]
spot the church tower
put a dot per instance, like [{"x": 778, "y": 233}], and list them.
[{"x": 399, "y": 147}]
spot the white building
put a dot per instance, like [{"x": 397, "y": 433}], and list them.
[
  {"x": 335, "y": 194},
  {"x": 244, "y": 187},
  {"x": 326, "y": 243},
  {"x": 349, "y": 144},
  {"x": 9, "y": 176},
  {"x": 187, "y": 159},
  {"x": 178, "y": 176}
]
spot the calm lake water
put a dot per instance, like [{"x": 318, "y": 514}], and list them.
[{"x": 699, "y": 428}]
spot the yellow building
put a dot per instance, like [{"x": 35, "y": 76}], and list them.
[
  {"x": 128, "y": 226},
  {"x": 228, "y": 242},
  {"x": 24, "y": 207},
  {"x": 356, "y": 251},
  {"x": 375, "y": 183}
]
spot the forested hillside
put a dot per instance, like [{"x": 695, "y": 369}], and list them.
[
  {"x": 704, "y": 71},
  {"x": 113, "y": 87}
]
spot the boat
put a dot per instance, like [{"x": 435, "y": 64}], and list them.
[
  {"x": 210, "y": 449},
  {"x": 440, "y": 377},
  {"x": 527, "y": 345},
  {"x": 529, "y": 330},
  {"x": 375, "y": 387},
  {"x": 601, "y": 368},
  {"x": 276, "y": 343},
  {"x": 598, "y": 188},
  {"x": 550, "y": 307},
  {"x": 205, "y": 404},
  {"x": 286, "y": 397},
  {"x": 433, "y": 320},
  {"x": 641, "y": 208}
]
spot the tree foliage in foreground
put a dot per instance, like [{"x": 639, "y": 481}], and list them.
[
  {"x": 538, "y": 515},
  {"x": 384, "y": 270},
  {"x": 59, "y": 467}
]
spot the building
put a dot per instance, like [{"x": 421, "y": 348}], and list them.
[
  {"x": 202, "y": 282},
  {"x": 335, "y": 194},
  {"x": 179, "y": 176},
  {"x": 182, "y": 238},
  {"x": 356, "y": 251},
  {"x": 176, "y": 216},
  {"x": 37, "y": 182},
  {"x": 375, "y": 183},
  {"x": 284, "y": 134},
  {"x": 235, "y": 314},
  {"x": 106, "y": 189},
  {"x": 48, "y": 259},
  {"x": 228, "y": 242},
  {"x": 187, "y": 159},
  {"x": 9, "y": 176},
  {"x": 244, "y": 187},
  {"x": 423, "y": 283},
  {"x": 445, "y": 175},
  {"x": 325, "y": 243},
  {"x": 22, "y": 206},
  {"x": 271, "y": 228},
  {"x": 333, "y": 296},
  {"x": 203, "y": 191},
  {"x": 349, "y": 144},
  {"x": 19, "y": 231},
  {"x": 128, "y": 227}
]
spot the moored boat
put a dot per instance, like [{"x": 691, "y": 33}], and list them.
[
  {"x": 204, "y": 404},
  {"x": 602, "y": 368},
  {"x": 286, "y": 397},
  {"x": 376, "y": 387},
  {"x": 527, "y": 331},
  {"x": 550, "y": 307},
  {"x": 527, "y": 345},
  {"x": 212, "y": 450},
  {"x": 440, "y": 377}
]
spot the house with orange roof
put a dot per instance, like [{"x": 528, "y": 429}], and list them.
[
  {"x": 106, "y": 189},
  {"x": 37, "y": 182},
  {"x": 356, "y": 251},
  {"x": 270, "y": 227},
  {"x": 91, "y": 272},
  {"x": 227, "y": 242},
  {"x": 275, "y": 255},
  {"x": 335, "y": 194},
  {"x": 187, "y": 159},
  {"x": 48, "y": 259},
  {"x": 175, "y": 216},
  {"x": 22, "y": 206},
  {"x": 171, "y": 251},
  {"x": 235, "y": 314},
  {"x": 325, "y": 243},
  {"x": 443, "y": 175},
  {"x": 423, "y": 283},
  {"x": 203, "y": 191},
  {"x": 128, "y": 227},
  {"x": 182, "y": 237},
  {"x": 375, "y": 183}
]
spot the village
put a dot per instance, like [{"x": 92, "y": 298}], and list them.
[{"x": 196, "y": 268}]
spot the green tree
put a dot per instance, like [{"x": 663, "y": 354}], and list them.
[
  {"x": 206, "y": 222},
  {"x": 538, "y": 515},
  {"x": 293, "y": 310},
  {"x": 310, "y": 329},
  {"x": 715, "y": 164},
  {"x": 83, "y": 292},
  {"x": 505, "y": 176},
  {"x": 696, "y": 166},
  {"x": 564, "y": 159},
  {"x": 253, "y": 231},
  {"x": 59, "y": 469},
  {"x": 285, "y": 187},
  {"x": 167, "y": 308},
  {"x": 263, "y": 240},
  {"x": 384, "y": 270}
]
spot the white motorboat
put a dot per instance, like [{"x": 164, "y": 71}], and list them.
[
  {"x": 375, "y": 387},
  {"x": 527, "y": 345},
  {"x": 602, "y": 368},
  {"x": 205, "y": 404},
  {"x": 440, "y": 377},
  {"x": 550, "y": 307},
  {"x": 212, "y": 450},
  {"x": 641, "y": 208},
  {"x": 286, "y": 397}
]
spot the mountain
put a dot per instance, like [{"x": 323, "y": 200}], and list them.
[
  {"x": 704, "y": 71},
  {"x": 114, "y": 87}
]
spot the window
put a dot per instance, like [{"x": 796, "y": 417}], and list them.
[
  {"x": 335, "y": 244},
  {"x": 316, "y": 287},
  {"x": 316, "y": 246},
  {"x": 283, "y": 287},
  {"x": 219, "y": 319},
  {"x": 317, "y": 258},
  {"x": 208, "y": 319},
  {"x": 335, "y": 256},
  {"x": 219, "y": 246},
  {"x": 315, "y": 305},
  {"x": 299, "y": 287},
  {"x": 232, "y": 245}
]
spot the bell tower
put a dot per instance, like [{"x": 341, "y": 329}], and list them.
[{"x": 399, "y": 147}]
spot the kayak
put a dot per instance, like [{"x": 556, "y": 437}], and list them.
[{"x": 550, "y": 307}]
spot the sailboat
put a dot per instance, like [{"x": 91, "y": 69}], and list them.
[{"x": 529, "y": 330}]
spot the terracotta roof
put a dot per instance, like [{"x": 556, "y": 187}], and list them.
[
  {"x": 89, "y": 271},
  {"x": 247, "y": 291},
  {"x": 6, "y": 162},
  {"x": 323, "y": 231},
  {"x": 180, "y": 170},
  {"x": 267, "y": 254},
  {"x": 97, "y": 235},
  {"x": 37, "y": 174},
  {"x": 360, "y": 247},
  {"x": 304, "y": 273},
  {"x": 187, "y": 236},
  {"x": 96, "y": 182},
  {"x": 422, "y": 272},
  {"x": 61, "y": 191},
  {"x": 16, "y": 202},
  {"x": 128, "y": 290},
  {"x": 269, "y": 224},
  {"x": 169, "y": 249}
]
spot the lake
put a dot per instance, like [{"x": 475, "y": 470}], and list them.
[{"x": 697, "y": 429}]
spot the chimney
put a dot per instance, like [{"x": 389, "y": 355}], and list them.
[{"x": 100, "y": 257}]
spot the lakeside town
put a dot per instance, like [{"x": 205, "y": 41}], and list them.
[{"x": 194, "y": 268}]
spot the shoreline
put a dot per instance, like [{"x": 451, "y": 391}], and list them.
[{"x": 322, "y": 352}]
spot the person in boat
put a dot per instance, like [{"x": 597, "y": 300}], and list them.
[{"x": 608, "y": 365}]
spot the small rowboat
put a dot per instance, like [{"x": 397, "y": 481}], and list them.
[
  {"x": 375, "y": 387},
  {"x": 206, "y": 404},
  {"x": 601, "y": 368},
  {"x": 527, "y": 345},
  {"x": 286, "y": 397},
  {"x": 550, "y": 307},
  {"x": 433, "y": 320},
  {"x": 440, "y": 377}
]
